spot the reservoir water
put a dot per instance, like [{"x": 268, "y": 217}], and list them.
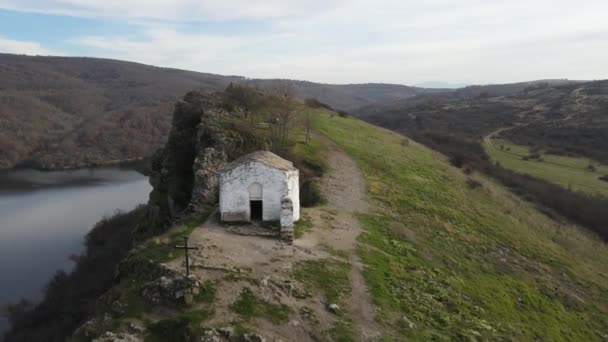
[{"x": 44, "y": 217}]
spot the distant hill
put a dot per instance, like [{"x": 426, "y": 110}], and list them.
[
  {"x": 565, "y": 117},
  {"x": 510, "y": 88},
  {"x": 349, "y": 97},
  {"x": 65, "y": 112},
  {"x": 69, "y": 112},
  {"x": 441, "y": 85},
  {"x": 58, "y": 112}
]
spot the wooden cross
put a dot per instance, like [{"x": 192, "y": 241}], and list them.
[{"x": 186, "y": 248}]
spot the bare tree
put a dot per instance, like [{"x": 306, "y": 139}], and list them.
[
  {"x": 308, "y": 124},
  {"x": 245, "y": 96},
  {"x": 284, "y": 93}
]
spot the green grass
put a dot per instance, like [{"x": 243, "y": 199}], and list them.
[
  {"x": 303, "y": 226},
  {"x": 248, "y": 306},
  {"x": 331, "y": 277},
  {"x": 162, "y": 248},
  {"x": 342, "y": 331},
  {"x": 206, "y": 293},
  {"x": 313, "y": 153},
  {"x": 445, "y": 262},
  {"x": 568, "y": 172},
  {"x": 344, "y": 254}
]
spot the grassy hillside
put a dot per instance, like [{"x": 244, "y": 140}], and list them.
[
  {"x": 456, "y": 257},
  {"x": 569, "y": 172}
]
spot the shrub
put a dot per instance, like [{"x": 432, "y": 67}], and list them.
[
  {"x": 314, "y": 103},
  {"x": 457, "y": 160},
  {"x": 183, "y": 328},
  {"x": 534, "y": 156},
  {"x": 473, "y": 184},
  {"x": 171, "y": 330},
  {"x": 310, "y": 193},
  {"x": 343, "y": 114},
  {"x": 604, "y": 178}
]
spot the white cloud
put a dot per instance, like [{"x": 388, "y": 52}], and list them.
[
  {"x": 401, "y": 41},
  {"x": 22, "y": 47},
  {"x": 164, "y": 46},
  {"x": 174, "y": 9}
]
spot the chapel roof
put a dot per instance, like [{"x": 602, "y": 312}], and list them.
[{"x": 265, "y": 157}]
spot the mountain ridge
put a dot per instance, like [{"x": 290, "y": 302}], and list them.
[{"x": 72, "y": 112}]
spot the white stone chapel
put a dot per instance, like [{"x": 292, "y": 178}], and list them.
[{"x": 260, "y": 186}]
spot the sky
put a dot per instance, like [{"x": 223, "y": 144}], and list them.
[{"x": 333, "y": 41}]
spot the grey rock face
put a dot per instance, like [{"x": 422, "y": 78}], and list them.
[{"x": 184, "y": 173}]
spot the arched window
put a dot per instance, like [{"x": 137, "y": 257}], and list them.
[{"x": 255, "y": 192}]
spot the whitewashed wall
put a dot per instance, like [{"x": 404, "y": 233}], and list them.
[
  {"x": 293, "y": 192},
  {"x": 234, "y": 191}
]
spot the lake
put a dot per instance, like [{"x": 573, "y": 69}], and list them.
[{"x": 44, "y": 217}]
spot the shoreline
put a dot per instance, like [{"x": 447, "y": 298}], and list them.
[{"x": 140, "y": 164}]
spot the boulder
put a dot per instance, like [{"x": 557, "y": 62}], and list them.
[
  {"x": 109, "y": 336},
  {"x": 334, "y": 308}
]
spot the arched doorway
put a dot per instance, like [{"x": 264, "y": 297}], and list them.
[{"x": 256, "y": 202}]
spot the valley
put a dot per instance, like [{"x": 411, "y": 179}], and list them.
[
  {"x": 567, "y": 121},
  {"x": 396, "y": 240},
  {"x": 568, "y": 172}
]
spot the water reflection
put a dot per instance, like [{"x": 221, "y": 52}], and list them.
[{"x": 45, "y": 215}]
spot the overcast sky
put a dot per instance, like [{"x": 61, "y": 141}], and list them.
[{"x": 334, "y": 41}]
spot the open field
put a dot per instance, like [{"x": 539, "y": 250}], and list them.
[
  {"x": 445, "y": 260},
  {"x": 568, "y": 172}
]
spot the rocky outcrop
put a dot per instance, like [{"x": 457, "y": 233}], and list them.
[
  {"x": 204, "y": 136},
  {"x": 170, "y": 291}
]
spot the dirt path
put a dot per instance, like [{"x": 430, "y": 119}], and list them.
[
  {"x": 344, "y": 186},
  {"x": 344, "y": 189}
]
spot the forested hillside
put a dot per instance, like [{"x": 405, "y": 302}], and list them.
[
  {"x": 69, "y": 112},
  {"x": 58, "y": 112}
]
